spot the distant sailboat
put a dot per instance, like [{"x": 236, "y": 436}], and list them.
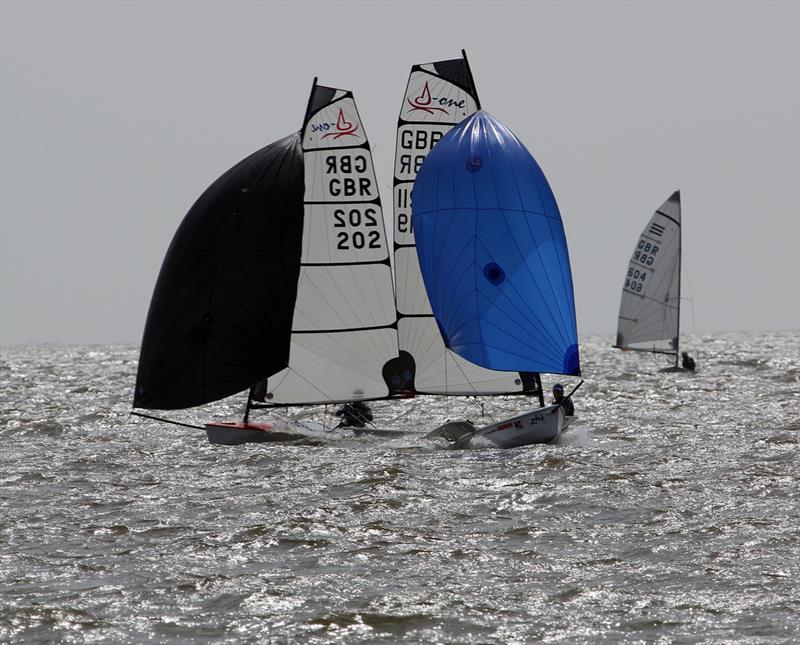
[
  {"x": 278, "y": 282},
  {"x": 649, "y": 312},
  {"x": 495, "y": 264}
]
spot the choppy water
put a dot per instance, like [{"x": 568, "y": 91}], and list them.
[{"x": 669, "y": 513}]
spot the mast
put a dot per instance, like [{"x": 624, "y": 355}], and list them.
[
  {"x": 680, "y": 268},
  {"x": 539, "y": 387},
  {"x": 247, "y": 407}
]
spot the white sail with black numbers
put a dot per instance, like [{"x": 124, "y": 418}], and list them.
[
  {"x": 649, "y": 312},
  {"x": 438, "y": 96},
  {"x": 343, "y": 336}
]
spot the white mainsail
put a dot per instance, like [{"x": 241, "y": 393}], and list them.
[
  {"x": 343, "y": 329},
  {"x": 649, "y": 312},
  {"x": 438, "y": 96}
]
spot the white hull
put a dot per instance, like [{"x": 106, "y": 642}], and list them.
[{"x": 538, "y": 426}]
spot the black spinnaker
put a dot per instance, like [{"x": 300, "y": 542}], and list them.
[{"x": 221, "y": 310}]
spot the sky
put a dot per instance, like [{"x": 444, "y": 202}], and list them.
[{"x": 115, "y": 117}]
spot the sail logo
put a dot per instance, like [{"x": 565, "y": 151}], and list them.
[
  {"x": 431, "y": 104},
  {"x": 341, "y": 128}
]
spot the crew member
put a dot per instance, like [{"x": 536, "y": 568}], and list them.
[
  {"x": 354, "y": 415},
  {"x": 566, "y": 403},
  {"x": 687, "y": 362}
]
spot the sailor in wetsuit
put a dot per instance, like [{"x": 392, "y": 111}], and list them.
[
  {"x": 687, "y": 362},
  {"x": 558, "y": 399},
  {"x": 354, "y": 415}
]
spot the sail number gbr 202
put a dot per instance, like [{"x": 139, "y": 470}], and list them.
[
  {"x": 344, "y": 185},
  {"x": 349, "y": 223}
]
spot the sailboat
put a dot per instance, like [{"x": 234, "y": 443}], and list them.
[
  {"x": 495, "y": 264},
  {"x": 650, "y": 307},
  {"x": 278, "y": 283},
  {"x": 438, "y": 96}
]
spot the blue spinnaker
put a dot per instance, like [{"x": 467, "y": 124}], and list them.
[{"x": 493, "y": 253}]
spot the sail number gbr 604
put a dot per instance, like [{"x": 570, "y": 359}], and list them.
[{"x": 346, "y": 220}]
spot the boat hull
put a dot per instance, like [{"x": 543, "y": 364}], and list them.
[
  {"x": 457, "y": 434},
  {"x": 538, "y": 426},
  {"x": 237, "y": 433},
  {"x": 317, "y": 428}
]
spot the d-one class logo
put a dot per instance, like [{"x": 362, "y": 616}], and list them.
[
  {"x": 341, "y": 128},
  {"x": 431, "y": 104}
]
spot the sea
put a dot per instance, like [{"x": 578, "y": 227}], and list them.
[{"x": 668, "y": 512}]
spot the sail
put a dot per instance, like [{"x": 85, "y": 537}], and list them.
[
  {"x": 493, "y": 253},
  {"x": 221, "y": 311},
  {"x": 649, "y": 312},
  {"x": 279, "y": 271},
  {"x": 343, "y": 335},
  {"x": 438, "y": 96}
]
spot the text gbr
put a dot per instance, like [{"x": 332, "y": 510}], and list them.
[
  {"x": 419, "y": 141},
  {"x": 347, "y": 165}
]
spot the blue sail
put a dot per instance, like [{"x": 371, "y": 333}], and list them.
[{"x": 493, "y": 253}]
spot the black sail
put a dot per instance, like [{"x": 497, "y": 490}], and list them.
[{"x": 220, "y": 317}]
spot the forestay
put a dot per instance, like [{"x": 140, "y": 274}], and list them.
[
  {"x": 438, "y": 96},
  {"x": 649, "y": 312},
  {"x": 493, "y": 254}
]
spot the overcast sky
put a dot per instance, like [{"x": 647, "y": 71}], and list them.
[{"x": 117, "y": 115}]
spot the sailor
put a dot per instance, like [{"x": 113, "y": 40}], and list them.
[
  {"x": 354, "y": 415},
  {"x": 687, "y": 362},
  {"x": 558, "y": 396}
]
